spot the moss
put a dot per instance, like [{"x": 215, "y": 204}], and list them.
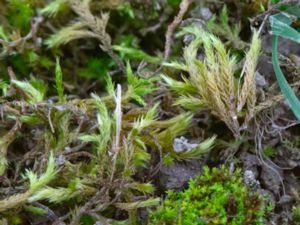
[
  {"x": 216, "y": 197},
  {"x": 19, "y": 14},
  {"x": 86, "y": 121},
  {"x": 296, "y": 215}
]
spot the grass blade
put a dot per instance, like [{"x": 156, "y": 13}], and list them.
[{"x": 281, "y": 28}]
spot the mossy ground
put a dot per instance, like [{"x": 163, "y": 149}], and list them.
[{"x": 109, "y": 107}]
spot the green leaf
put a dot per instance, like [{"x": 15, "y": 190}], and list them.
[
  {"x": 280, "y": 27},
  {"x": 292, "y": 10},
  {"x": 279, "y": 24}
]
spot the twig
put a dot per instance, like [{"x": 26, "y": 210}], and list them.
[
  {"x": 50, "y": 121},
  {"x": 87, "y": 206},
  {"x": 155, "y": 27},
  {"x": 8, "y": 46},
  {"x": 50, "y": 214},
  {"x": 184, "y": 5},
  {"x": 156, "y": 169},
  {"x": 258, "y": 149}
]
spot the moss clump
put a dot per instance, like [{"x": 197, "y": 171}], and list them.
[
  {"x": 296, "y": 215},
  {"x": 216, "y": 197}
]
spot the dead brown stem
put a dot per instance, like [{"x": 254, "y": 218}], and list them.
[
  {"x": 8, "y": 47},
  {"x": 184, "y": 5}
]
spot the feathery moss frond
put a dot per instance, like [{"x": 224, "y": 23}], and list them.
[
  {"x": 109, "y": 86},
  {"x": 190, "y": 102},
  {"x": 59, "y": 82},
  {"x": 136, "y": 54},
  {"x": 138, "y": 87},
  {"x": 223, "y": 28},
  {"x": 144, "y": 121},
  {"x": 176, "y": 65},
  {"x": 196, "y": 152},
  {"x": 54, "y": 7},
  {"x": 104, "y": 122},
  {"x": 139, "y": 204},
  {"x": 67, "y": 34},
  {"x": 248, "y": 89},
  {"x": 180, "y": 87},
  {"x": 5, "y": 141},
  {"x": 38, "y": 182},
  {"x": 53, "y": 195},
  {"x": 212, "y": 83},
  {"x": 4, "y": 87},
  {"x": 34, "y": 95}
]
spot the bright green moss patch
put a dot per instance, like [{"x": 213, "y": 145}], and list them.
[
  {"x": 19, "y": 14},
  {"x": 216, "y": 197}
]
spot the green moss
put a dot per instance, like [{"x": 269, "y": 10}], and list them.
[
  {"x": 19, "y": 14},
  {"x": 296, "y": 215},
  {"x": 216, "y": 197}
]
